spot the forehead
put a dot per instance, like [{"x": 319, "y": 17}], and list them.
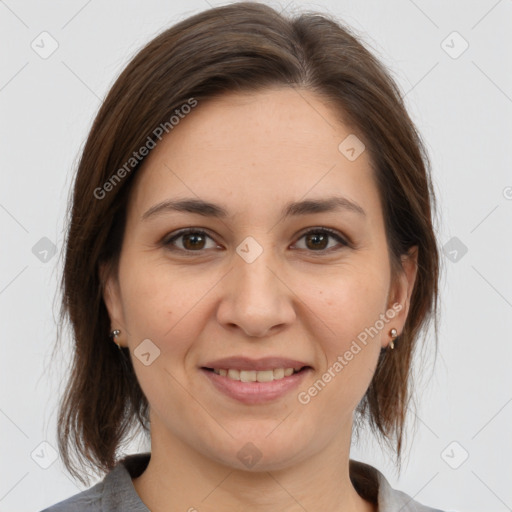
[
  {"x": 246, "y": 123},
  {"x": 259, "y": 146}
]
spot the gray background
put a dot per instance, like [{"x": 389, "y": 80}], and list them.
[{"x": 462, "y": 105}]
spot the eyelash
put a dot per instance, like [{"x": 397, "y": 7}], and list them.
[{"x": 168, "y": 242}]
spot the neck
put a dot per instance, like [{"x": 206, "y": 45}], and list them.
[{"x": 180, "y": 478}]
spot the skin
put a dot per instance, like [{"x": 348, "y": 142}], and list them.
[{"x": 252, "y": 153}]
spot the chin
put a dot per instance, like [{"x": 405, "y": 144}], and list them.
[{"x": 261, "y": 454}]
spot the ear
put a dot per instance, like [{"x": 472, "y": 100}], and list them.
[
  {"x": 112, "y": 298},
  {"x": 401, "y": 291}
]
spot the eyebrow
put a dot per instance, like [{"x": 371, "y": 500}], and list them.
[{"x": 292, "y": 209}]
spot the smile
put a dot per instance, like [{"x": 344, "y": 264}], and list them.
[
  {"x": 256, "y": 376},
  {"x": 252, "y": 387}
]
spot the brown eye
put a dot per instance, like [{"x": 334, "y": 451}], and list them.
[
  {"x": 193, "y": 240},
  {"x": 317, "y": 240}
]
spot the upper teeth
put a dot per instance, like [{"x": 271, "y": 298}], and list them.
[{"x": 256, "y": 376}]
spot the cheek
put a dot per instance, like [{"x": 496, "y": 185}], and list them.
[
  {"x": 162, "y": 306},
  {"x": 157, "y": 304},
  {"x": 352, "y": 305},
  {"x": 351, "y": 309}
]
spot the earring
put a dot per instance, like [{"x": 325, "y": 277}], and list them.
[
  {"x": 114, "y": 334},
  {"x": 394, "y": 335}
]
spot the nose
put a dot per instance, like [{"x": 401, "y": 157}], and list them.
[{"x": 256, "y": 298}]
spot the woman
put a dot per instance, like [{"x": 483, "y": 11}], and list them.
[{"x": 251, "y": 225}]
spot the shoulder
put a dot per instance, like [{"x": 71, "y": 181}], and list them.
[
  {"x": 86, "y": 501},
  {"x": 115, "y": 493},
  {"x": 371, "y": 484},
  {"x": 393, "y": 498}
]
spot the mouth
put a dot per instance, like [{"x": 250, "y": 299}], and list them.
[
  {"x": 268, "y": 375},
  {"x": 255, "y": 387}
]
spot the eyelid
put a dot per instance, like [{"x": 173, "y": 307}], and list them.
[
  {"x": 167, "y": 239},
  {"x": 343, "y": 240}
]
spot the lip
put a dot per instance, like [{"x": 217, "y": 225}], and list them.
[
  {"x": 252, "y": 393},
  {"x": 246, "y": 363}
]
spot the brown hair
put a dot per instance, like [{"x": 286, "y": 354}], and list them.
[{"x": 241, "y": 47}]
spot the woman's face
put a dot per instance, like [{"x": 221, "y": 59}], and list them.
[{"x": 256, "y": 283}]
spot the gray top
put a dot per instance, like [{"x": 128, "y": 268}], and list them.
[{"x": 116, "y": 493}]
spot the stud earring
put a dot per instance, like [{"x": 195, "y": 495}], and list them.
[
  {"x": 394, "y": 334},
  {"x": 114, "y": 334}
]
